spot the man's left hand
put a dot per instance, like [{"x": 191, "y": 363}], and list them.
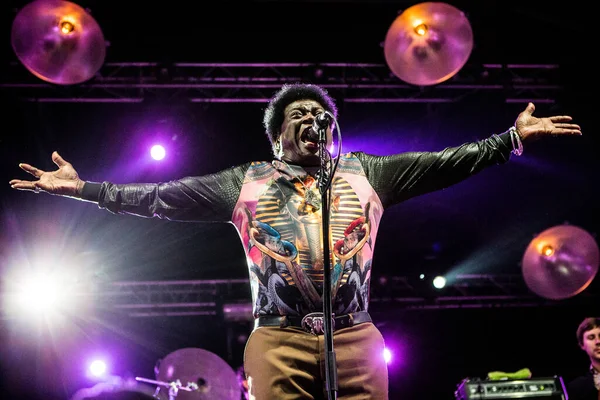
[{"x": 530, "y": 127}]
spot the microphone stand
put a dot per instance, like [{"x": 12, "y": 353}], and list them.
[{"x": 331, "y": 380}]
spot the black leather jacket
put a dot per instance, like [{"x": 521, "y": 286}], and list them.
[{"x": 269, "y": 203}]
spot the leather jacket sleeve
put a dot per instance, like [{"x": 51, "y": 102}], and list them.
[
  {"x": 399, "y": 177},
  {"x": 209, "y": 198}
]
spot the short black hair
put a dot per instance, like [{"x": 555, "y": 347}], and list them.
[{"x": 290, "y": 92}]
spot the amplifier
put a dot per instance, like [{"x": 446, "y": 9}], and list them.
[{"x": 533, "y": 388}]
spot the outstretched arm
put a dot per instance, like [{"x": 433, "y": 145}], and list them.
[
  {"x": 398, "y": 177},
  {"x": 209, "y": 198}
]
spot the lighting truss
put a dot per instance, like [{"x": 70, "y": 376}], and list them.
[
  {"x": 230, "y": 298},
  {"x": 171, "y": 298},
  {"x": 135, "y": 82}
]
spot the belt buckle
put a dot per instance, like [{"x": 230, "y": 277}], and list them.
[{"x": 315, "y": 323}]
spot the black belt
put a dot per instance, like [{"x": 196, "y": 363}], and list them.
[{"x": 313, "y": 322}]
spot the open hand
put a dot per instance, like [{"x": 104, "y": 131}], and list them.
[
  {"x": 63, "y": 181},
  {"x": 530, "y": 127}
]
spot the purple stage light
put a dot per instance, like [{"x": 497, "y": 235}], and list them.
[
  {"x": 158, "y": 152},
  {"x": 97, "y": 368},
  {"x": 387, "y": 355}
]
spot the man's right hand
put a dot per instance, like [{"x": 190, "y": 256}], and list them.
[{"x": 64, "y": 181}]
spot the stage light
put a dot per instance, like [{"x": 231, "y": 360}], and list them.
[
  {"x": 49, "y": 288},
  {"x": 387, "y": 355},
  {"x": 158, "y": 152},
  {"x": 439, "y": 282},
  {"x": 40, "y": 293},
  {"x": 98, "y": 368}
]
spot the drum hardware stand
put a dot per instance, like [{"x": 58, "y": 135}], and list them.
[{"x": 174, "y": 387}]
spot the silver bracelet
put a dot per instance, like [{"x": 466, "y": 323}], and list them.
[{"x": 514, "y": 137}]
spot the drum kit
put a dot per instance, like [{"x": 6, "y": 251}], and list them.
[
  {"x": 185, "y": 374},
  {"x": 195, "y": 374}
]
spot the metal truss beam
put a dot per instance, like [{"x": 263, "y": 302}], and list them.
[
  {"x": 230, "y": 298},
  {"x": 135, "y": 82},
  {"x": 171, "y": 298}
]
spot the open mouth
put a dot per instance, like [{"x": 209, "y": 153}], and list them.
[{"x": 309, "y": 137}]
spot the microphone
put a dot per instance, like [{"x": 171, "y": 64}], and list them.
[{"x": 321, "y": 122}]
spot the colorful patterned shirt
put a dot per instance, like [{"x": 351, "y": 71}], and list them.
[{"x": 275, "y": 208}]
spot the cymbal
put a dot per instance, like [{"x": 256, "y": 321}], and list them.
[
  {"x": 428, "y": 43},
  {"x": 214, "y": 377},
  {"x": 58, "y": 41},
  {"x": 560, "y": 262}
]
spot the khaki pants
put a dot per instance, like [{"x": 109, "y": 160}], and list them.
[{"x": 288, "y": 363}]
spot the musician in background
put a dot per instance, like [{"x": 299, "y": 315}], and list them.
[{"x": 587, "y": 386}]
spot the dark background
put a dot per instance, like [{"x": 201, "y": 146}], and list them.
[{"x": 481, "y": 226}]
